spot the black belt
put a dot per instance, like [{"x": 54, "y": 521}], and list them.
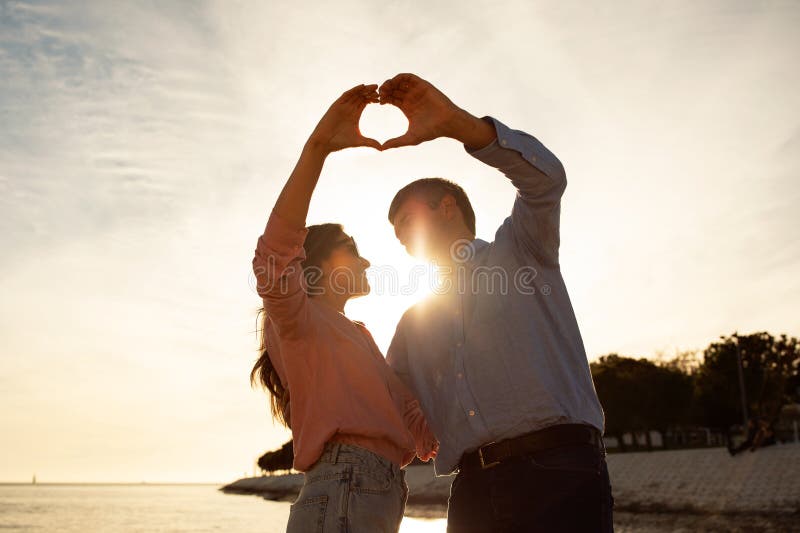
[{"x": 491, "y": 454}]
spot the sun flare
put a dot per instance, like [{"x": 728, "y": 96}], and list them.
[{"x": 397, "y": 281}]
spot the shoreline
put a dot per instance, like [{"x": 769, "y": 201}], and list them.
[{"x": 705, "y": 484}]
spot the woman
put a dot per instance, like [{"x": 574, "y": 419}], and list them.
[{"x": 354, "y": 424}]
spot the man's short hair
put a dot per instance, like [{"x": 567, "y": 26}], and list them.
[{"x": 431, "y": 191}]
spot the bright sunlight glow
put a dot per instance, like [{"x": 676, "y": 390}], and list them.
[
  {"x": 419, "y": 525},
  {"x": 382, "y": 122}
]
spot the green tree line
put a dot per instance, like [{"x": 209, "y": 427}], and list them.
[{"x": 699, "y": 389}]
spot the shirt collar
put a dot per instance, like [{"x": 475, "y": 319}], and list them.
[{"x": 477, "y": 246}]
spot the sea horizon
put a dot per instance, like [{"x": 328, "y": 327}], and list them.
[
  {"x": 160, "y": 483},
  {"x": 158, "y": 508}
]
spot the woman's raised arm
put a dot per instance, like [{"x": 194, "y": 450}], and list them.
[
  {"x": 279, "y": 252},
  {"x": 337, "y": 129}
]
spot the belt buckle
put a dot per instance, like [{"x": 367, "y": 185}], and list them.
[{"x": 485, "y": 465}]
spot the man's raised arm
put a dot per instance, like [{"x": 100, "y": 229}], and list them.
[{"x": 535, "y": 171}]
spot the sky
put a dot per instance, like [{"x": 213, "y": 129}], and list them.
[{"x": 142, "y": 146}]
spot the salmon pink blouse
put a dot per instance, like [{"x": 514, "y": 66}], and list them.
[{"x": 340, "y": 386}]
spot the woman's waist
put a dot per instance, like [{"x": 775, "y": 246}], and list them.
[
  {"x": 373, "y": 452},
  {"x": 392, "y": 442}
]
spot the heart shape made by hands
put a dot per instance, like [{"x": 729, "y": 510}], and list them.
[{"x": 382, "y": 122}]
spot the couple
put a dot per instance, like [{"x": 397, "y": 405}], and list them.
[{"x": 492, "y": 382}]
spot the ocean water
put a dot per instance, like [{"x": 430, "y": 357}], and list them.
[
  {"x": 149, "y": 508},
  {"x": 202, "y": 508}
]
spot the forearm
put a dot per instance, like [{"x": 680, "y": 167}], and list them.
[
  {"x": 294, "y": 200},
  {"x": 424, "y": 439},
  {"x": 468, "y": 129}
]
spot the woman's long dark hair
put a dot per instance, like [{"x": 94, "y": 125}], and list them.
[{"x": 320, "y": 242}]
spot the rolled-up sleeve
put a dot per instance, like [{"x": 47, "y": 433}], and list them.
[
  {"x": 278, "y": 270},
  {"x": 540, "y": 180}
]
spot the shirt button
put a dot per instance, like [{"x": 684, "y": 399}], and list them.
[
  {"x": 458, "y": 345},
  {"x": 460, "y": 375},
  {"x": 503, "y": 142},
  {"x": 471, "y": 412}
]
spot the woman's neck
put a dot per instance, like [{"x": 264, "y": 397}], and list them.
[{"x": 333, "y": 300}]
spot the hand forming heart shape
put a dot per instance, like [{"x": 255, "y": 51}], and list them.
[{"x": 429, "y": 112}]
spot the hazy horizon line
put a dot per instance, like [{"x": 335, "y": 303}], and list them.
[{"x": 120, "y": 483}]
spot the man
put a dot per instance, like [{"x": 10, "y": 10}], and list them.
[{"x": 496, "y": 359}]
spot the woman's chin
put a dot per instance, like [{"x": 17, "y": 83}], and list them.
[{"x": 365, "y": 289}]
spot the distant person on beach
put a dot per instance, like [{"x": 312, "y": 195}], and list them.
[
  {"x": 752, "y": 429},
  {"x": 765, "y": 435},
  {"x": 496, "y": 359},
  {"x": 760, "y": 433},
  {"x": 354, "y": 423}
]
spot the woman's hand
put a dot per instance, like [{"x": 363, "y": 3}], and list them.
[
  {"x": 338, "y": 128},
  {"x": 428, "y": 450}
]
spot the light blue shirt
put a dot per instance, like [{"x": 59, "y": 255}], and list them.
[{"x": 501, "y": 354}]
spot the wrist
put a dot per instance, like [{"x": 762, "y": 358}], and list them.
[
  {"x": 455, "y": 124},
  {"x": 470, "y": 130},
  {"x": 316, "y": 148}
]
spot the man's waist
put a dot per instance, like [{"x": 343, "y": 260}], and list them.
[{"x": 491, "y": 454}]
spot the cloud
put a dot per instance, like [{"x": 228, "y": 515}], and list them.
[{"x": 142, "y": 146}]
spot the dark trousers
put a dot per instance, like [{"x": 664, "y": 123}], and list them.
[{"x": 559, "y": 490}]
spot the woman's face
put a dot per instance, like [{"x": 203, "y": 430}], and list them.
[{"x": 346, "y": 269}]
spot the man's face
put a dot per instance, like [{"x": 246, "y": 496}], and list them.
[{"x": 420, "y": 228}]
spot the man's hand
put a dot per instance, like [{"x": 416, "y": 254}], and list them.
[
  {"x": 431, "y": 114},
  {"x": 338, "y": 128}
]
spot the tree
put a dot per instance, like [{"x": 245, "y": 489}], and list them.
[
  {"x": 280, "y": 459},
  {"x": 639, "y": 395},
  {"x": 771, "y": 375}
]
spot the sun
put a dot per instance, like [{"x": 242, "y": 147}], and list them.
[{"x": 397, "y": 281}]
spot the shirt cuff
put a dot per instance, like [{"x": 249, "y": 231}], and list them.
[
  {"x": 284, "y": 238},
  {"x": 500, "y": 151}
]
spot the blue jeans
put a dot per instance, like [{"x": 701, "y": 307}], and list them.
[
  {"x": 350, "y": 490},
  {"x": 559, "y": 490}
]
